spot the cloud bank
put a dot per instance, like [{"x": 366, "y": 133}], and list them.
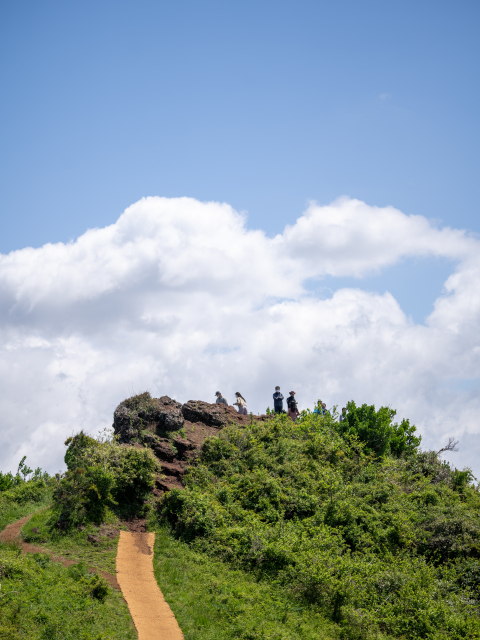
[{"x": 179, "y": 297}]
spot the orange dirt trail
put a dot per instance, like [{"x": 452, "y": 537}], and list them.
[{"x": 151, "y": 614}]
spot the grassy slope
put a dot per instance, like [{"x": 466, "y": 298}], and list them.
[
  {"x": 212, "y": 601},
  {"x": 40, "y": 599},
  {"x": 74, "y": 544},
  {"x": 11, "y": 510},
  {"x": 287, "y": 532}
]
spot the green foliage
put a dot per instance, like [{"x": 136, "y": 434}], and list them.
[
  {"x": 377, "y": 430},
  {"x": 77, "y": 445},
  {"x": 102, "y": 475},
  {"x": 96, "y": 586},
  {"x": 379, "y": 545},
  {"x": 22, "y": 497},
  {"x": 83, "y": 495},
  {"x": 142, "y": 402},
  {"x": 9, "y": 481},
  {"x": 41, "y": 599},
  {"x": 213, "y": 602}
]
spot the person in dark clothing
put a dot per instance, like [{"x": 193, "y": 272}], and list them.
[
  {"x": 291, "y": 399},
  {"x": 293, "y": 411},
  {"x": 278, "y": 400}
]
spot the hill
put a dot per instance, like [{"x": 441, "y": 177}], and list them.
[{"x": 269, "y": 528}]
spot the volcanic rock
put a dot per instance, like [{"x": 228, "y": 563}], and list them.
[{"x": 213, "y": 415}]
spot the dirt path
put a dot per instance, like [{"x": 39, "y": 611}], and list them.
[
  {"x": 11, "y": 533},
  {"x": 151, "y": 614}
]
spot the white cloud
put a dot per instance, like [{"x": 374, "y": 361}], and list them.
[{"x": 180, "y": 298}]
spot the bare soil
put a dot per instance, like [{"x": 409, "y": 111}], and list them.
[{"x": 151, "y": 614}]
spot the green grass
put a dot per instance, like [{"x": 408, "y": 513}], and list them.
[
  {"x": 212, "y": 601},
  {"x": 42, "y": 600},
  {"x": 11, "y": 511},
  {"x": 74, "y": 543}
]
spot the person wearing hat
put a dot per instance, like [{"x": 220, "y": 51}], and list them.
[
  {"x": 291, "y": 398},
  {"x": 293, "y": 411},
  {"x": 278, "y": 400},
  {"x": 220, "y": 398}
]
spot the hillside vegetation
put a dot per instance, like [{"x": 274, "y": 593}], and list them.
[
  {"x": 352, "y": 517},
  {"x": 307, "y": 530},
  {"x": 41, "y": 599}
]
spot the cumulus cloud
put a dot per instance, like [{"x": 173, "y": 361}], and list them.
[{"x": 179, "y": 297}]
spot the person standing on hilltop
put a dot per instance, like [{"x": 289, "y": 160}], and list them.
[
  {"x": 241, "y": 404},
  {"x": 278, "y": 400},
  {"x": 343, "y": 415},
  {"x": 220, "y": 399},
  {"x": 292, "y": 411},
  {"x": 291, "y": 398},
  {"x": 319, "y": 410}
]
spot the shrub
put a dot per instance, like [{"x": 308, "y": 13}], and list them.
[
  {"x": 377, "y": 430},
  {"x": 83, "y": 495},
  {"x": 24, "y": 474},
  {"x": 102, "y": 475},
  {"x": 77, "y": 447}
]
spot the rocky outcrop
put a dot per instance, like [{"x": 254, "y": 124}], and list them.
[
  {"x": 213, "y": 415},
  {"x": 143, "y": 413},
  {"x": 174, "y": 432},
  {"x": 170, "y": 414}
]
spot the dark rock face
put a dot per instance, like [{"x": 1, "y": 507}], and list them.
[
  {"x": 164, "y": 450},
  {"x": 213, "y": 415},
  {"x": 125, "y": 424},
  {"x": 166, "y": 483},
  {"x": 182, "y": 446},
  {"x": 170, "y": 415}
]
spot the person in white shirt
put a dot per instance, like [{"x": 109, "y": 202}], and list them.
[{"x": 241, "y": 404}]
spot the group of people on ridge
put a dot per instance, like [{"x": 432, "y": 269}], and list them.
[{"x": 292, "y": 407}]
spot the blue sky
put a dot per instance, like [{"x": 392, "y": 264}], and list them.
[{"x": 266, "y": 106}]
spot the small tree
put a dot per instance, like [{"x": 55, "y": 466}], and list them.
[{"x": 378, "y": 431}]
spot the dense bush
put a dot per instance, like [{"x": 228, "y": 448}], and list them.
[
  {"x": 102, "y": 475},
  {"x": 378, "y": 431},
  {"x": 386, "y": 546}
]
